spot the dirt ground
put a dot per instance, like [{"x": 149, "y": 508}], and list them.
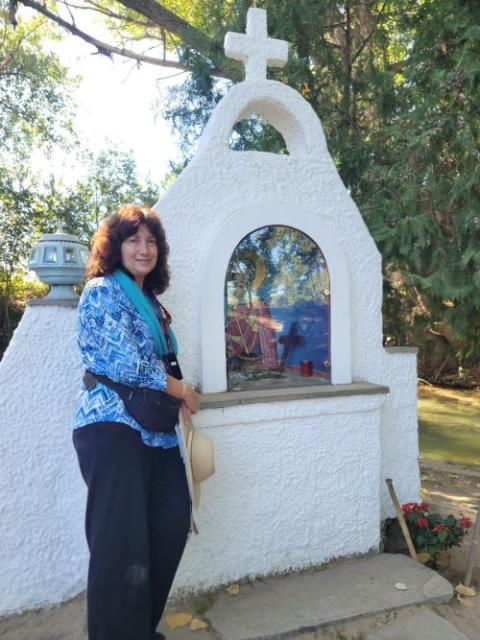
[{"x": 449, "y": 489}]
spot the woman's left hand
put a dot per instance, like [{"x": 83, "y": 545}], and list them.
[{"x": 191, "y": 400}]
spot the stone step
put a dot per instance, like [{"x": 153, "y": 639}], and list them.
[
  {"x": 424, "y": 625},
  {"x": 277, "y": 607}
]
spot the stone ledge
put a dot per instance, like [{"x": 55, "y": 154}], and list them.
[
  {"x": 401, "y": 349},
  {"x": 53, "y": 302},
  {"x": 235, "y": 398}
]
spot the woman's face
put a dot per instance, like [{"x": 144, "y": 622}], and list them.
[{"x": 139, "y": 253}]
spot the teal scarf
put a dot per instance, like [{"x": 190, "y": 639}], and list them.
[{"x": 145, "y": 308}]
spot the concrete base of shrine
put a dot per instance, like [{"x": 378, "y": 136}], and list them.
[{"x": 297, "y": 482}]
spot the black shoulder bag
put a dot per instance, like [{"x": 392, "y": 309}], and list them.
[{"x": 155, "y": 410}]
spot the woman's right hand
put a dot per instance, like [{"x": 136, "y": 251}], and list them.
[{"x": 183, "y": 392}]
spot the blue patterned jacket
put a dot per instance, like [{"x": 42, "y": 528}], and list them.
[{"x": 115, "y": 341}]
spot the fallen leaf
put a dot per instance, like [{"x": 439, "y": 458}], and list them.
[
  {"x": 197, "y": 624},
  {"x": 465, "y": 591},
  {"x": 423, "y": 557},
  {"x": 466, "y": 602},
  {"x": 176, "y": 620},
  {"x": 233, "y": 590},
  {"x": 401, "y": 586}
]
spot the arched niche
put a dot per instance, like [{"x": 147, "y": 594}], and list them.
[
  {"x": 216, "y": 264},
  {"x": 249, "y": 132},
  {"x": 277, "y": 311},
  {"x": 279, "y": 105}
]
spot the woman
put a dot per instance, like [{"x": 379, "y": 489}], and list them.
[{"x": 138, "y": 507}]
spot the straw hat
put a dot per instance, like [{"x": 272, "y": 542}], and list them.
[{"x": 197, "y": 453}]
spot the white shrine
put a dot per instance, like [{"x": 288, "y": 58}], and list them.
[{"x": 300, "y": 469}]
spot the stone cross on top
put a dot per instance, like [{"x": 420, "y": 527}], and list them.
[{"x": 255, "y": 49}]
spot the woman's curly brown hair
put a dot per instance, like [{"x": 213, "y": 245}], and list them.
[{"x": 105, "y": 255}]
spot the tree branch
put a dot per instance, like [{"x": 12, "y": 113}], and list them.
[
  {"x": 161, "y": 18},
  {"x": 335, "y": 25},
  {"x": 12, "y": 12},
  {"x": 70, "y": 13},
  {"x": 93, "y": 6},
  {"x": 171, "y": 22},
  {"x": 334, "y": 44},
  {"x": 189, "y": 35},
  {"x": 368, "y": 38},
  {"x": 102, "y": 47}
]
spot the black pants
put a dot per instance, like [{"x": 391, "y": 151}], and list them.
[{"x": 137, "y": 522}]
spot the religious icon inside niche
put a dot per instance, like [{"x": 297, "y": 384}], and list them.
[
  {"x": 277, "y": 308},
  {"x": 250, "y": 328}
]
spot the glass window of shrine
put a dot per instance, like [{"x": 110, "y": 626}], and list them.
[{"x": 277, "y": 311}]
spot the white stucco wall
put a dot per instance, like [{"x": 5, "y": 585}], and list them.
[
  {"x": 43, "y": 554},
  {"x": 296, "y": 484},
  {"x": 399, "y": 432}
]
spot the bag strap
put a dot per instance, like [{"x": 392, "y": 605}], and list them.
[
  {"x": 90, "y": 380},
  {"x": 165, "y": 320}
]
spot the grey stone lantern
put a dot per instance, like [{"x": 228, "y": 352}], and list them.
[{"x": 59, "y": 260}]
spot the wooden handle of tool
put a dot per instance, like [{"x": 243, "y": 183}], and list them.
[{"x": 401, "y": 519}]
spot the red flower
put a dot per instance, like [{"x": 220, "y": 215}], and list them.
[
  {"x": 439, "y": 527},
  {"x": 424, "y": 506},
  {"x": 465, "y": 522},
  {"x": 410, "y": 507},
  {"x": 422, "y": 523}
]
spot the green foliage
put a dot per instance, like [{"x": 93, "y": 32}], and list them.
[
  {"x": 16, "y": 220},
  {"x": 111, "y": 180},
  {"x": 431, "y": 532},
  {"x": 190, "y": 105},
  {"x": 17, "y": 225},
  {"x": 396, "y": 86},
  {"x": 13, "y": 295},
  {"x": 36, "y": 113},
  {"x": 294, "y": 269},
  {"x": 424, "y": 210},
  {"x": 255, "y": 134},
  {"x": 35, "y": 88}
]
